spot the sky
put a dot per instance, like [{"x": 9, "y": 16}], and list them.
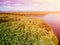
[{"x": 29, "y": 5}]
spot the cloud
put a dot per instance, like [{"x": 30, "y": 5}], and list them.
[
  {"x": 40, "y": 5},
  {"x": 17, "y": 4}
]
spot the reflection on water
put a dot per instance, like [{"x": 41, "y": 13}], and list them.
[{"x": 54, "y": 21}]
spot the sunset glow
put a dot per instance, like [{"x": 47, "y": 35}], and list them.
[{"x": 29, "y": 5}]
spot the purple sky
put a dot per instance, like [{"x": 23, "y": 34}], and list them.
[
  {"x": 28, "y": 5},
  {"x": 23, "y": 2}
]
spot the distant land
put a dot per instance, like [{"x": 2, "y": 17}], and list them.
[{"x": 28, "y": 13}]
